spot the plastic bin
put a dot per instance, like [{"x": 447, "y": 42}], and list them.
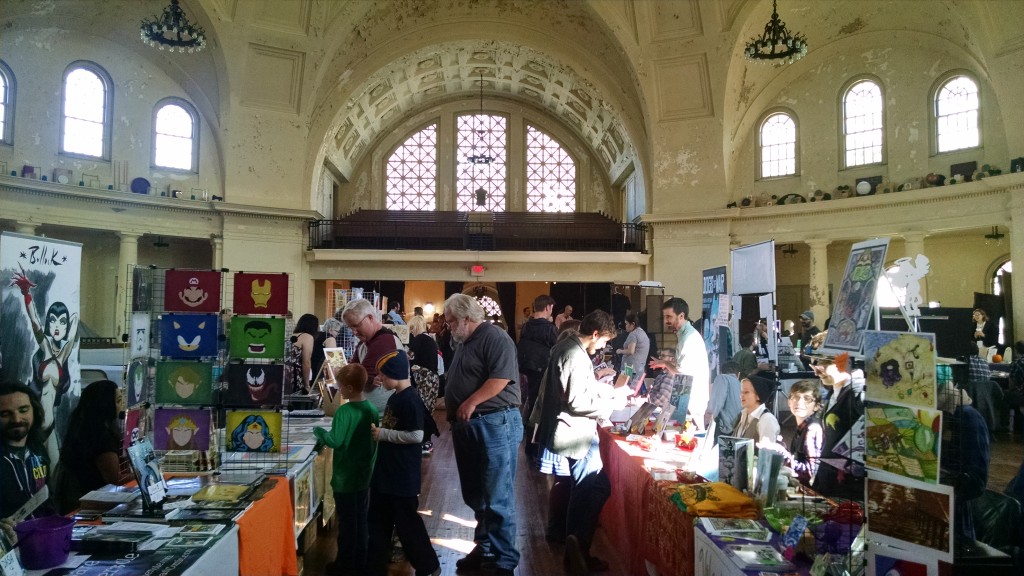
[{"x": 44, "y": 542}]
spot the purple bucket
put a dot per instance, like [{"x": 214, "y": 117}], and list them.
[{"x": 44, "y": 542}]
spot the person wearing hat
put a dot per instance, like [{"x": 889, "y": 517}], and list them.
[
  {"x": 807, "y": 328},
  {"x": 843, "y": 407},
  {"x": 395, "y": 485},
  {"x": 756, "y": 421}
]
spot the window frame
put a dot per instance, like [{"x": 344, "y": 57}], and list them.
[
  {"x": 527, "y": 126},
  {"x": 759, "y": 175},
  {"x": 843, "y": 92},
  {"x": 933, "y": 104},
  {"x": 436, "y": 123},
  {"x": 108, "y": 109},
  {"x": 191, "y": 111},
  {"x": 507, "y": 191},
  {"x": 11, "y": 88}
]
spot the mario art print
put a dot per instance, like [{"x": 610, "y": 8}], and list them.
[
  {"x": 40, "y": 321},
  {"x": 192, "y": 290}
]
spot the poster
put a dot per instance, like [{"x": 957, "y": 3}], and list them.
[
  {"x": 147, "y": 473},
  {"x": 302, "y": 495},
  {"x": 181, "y": 429},
  {"x": 260, "y": 293},
  {"x": 903, "y": 441},
  {"x": 192, "y": 290},
  {"x": 736, "y": 461},
  {"x": 855, "y": 303},
  {"x": 900, "y": 368},
  {"x": 39, "y": 321},
  {"x": 712, "y": 327},
  {"x": 135, "y": 381},
  {"x": 889, "y": 561},
  {"x": 911, "y": 515},
  {"x": 134, "y": 426},
  {"x": 253, "y": 431},
  {"x": 184, "y": 382},
  {"x": 141, "y": 292},
  {"x": 140, "y": 337},
  {"x": 188, "y": 335},
  {"x": 256, "y": 337},
  {"x": 254, "y": 385}
]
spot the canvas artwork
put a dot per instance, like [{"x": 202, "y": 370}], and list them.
[
  {"x": 303, "y": 497},
  {"x": 889, "y": 561},
  {"x": 254, "y": 384},
  {"x": 253, "y": 431},
  {"x": 680, "y": 397},
  {"x": 900, "y": 368},
  {"x": 911, "y": 515},
  {"x": 141, "y": 292},
  {"x": 135, "y": 381},
  {"x": 256, "y": 337},
  {"x": 256, "y": 293},
  {"x": 140, "y": 334},
  {"x": 134, "y": 426},
  {"x": 181, "y": 429},
  {"x": 179, "y": 382},
  {"x": 192, "y": 291},
  {"x": 903, "y": 440},
  {"x": 855, "y": 303},
  {"x": 188, "y": 335}
]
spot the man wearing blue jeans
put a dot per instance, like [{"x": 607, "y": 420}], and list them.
[{"x": 482, "y": 397}]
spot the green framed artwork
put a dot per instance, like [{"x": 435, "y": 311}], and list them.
[
  {"x": 184, "y": 382},
  {"x": 257, "y": 337}
]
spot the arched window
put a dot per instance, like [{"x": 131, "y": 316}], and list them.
[
  {"x": 87, "y": 111},
  {"x": 956, "y": 115},
  {"x": 863, "y": 124},
  {"x": 412, "y": 173},
  {"x": 550, "y": 174},
  {"x": 778, "y": 146},
  {"x": 6, "y": 104},
  {"x": 175, "y": 135},
  {"x": 480, "y": 186}
]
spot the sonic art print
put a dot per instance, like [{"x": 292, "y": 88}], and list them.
[{"x": 188, "y": 335}]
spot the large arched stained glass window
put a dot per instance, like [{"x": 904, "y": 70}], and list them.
[
  {"x": 863, "y": 124},
  {"x": 956, "y": 115},
  {"x": 412, "y": 173},
  {"x": 550, "y": 174},
  {"x": 480, "y": 186}
]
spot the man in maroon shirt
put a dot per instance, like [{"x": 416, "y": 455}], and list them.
[{"x": 374, "y": 342}]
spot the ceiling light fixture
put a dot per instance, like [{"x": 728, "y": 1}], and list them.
[
  {"x": 482, "y": 157},
  {"x": 994, "y": 237},
  {"x": 789, "y": 251},
  {"x": 776, "y": 44},
  {"x": 172, "y": 31}
]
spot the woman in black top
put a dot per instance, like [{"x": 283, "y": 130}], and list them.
[
  {"x": 422, "y": 347},
  {"x": 89, "y": 456}
]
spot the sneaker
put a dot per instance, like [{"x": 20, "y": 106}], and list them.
[
  {"x": 574, "y": 562},
  {"x": 427, "y": 447},
  {"x": 475, "y": 561}
]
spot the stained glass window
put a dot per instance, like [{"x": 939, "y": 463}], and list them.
[
  {"x": 412, "y": 173},
  {"x": 550, "y": 174},
  {"x": 863, "y": 124},
  {"x": 956, "y": 115}
]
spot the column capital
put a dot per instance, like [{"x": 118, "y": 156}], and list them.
[
  {"x": 817, "y": 243},
  {"x": 27, "y": 228},
  {"x": 914, "y": 235},
  {"x": 129, "y": 236}
]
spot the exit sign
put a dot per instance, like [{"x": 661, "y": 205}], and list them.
[{"x": 477, "y": 270}]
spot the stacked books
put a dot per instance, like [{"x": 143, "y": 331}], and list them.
[
  {"x": 742, "y": 528},
  {"x": 758, "y": 557}
]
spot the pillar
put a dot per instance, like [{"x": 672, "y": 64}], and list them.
[
  {"x": 1017, "y": 256},
  {"x": 818, "y": 281},
  {"x": 127, "y": 256},
  {"x": 217, "y": 242},
  {"x": 913, "y": 244},
  {"x": 26, "y": 228}
]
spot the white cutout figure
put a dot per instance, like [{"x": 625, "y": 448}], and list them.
[{"x": 908, "y": 275}]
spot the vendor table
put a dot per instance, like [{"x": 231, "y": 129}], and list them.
[
  {"x": 639, "y": 518},
  {"x": 266, "y": 536}
]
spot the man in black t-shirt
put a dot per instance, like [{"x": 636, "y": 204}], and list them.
[
  {"x": 24, "y": 467},
  {"x": 535, "y": 341}
]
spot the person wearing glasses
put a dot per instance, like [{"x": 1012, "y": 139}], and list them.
[
  {"x": 482, "y": 399},
  {"x": 375, "y": 341},
  {"x": 804, "y": 452}
]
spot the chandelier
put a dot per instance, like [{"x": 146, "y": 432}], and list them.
[
  {"x": 173, "y": 31},
  {"x": 777, "y": 44},
  {"x": 994, "y": 237},
  {"x": 482, "y": 157}
]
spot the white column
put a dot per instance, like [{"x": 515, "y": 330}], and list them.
[
  {"x": 217, "y": 241},
  {"x": 913, "y": 244},
  {"x": 127, "y": 256},
  {"x": 818, "y": 281},
  {"x": 27, "y": 228}
]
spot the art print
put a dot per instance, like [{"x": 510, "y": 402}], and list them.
[
  {"x": 303, "y": 497},
  {"x": 855, "y": 302},
  {"x": 911, "y": 515},
  {"x": 40, "y": 314},
  {"x": 257, "y": 338},
  {"x": 189, "y": 542},
  {"x": 134, "y": 426},
  {"x": 260, "y": 293},
  {"x": 192, "y": 290},
  {"x": 254, "y": 385},
  {"x": 179, "y": 382},
  {"x": 888, "y": 561},
  {"x": 140, "y": 335},
  {"x": 680, "y": 397},
  {"x": 137, "y": 390},
  {"x": 735, "y": 461},
  {"x": 713, "y": 290},
  {"x": 903, "y": 441},
  {"x": 188, "y": 335},
  {"x": 147, "y": 473},
  {"x": 142, "y": 280},
  {"x": 253, "y": 431},
  {"x": 181, "y": 429},
  {"x": 900, "y": 368}
]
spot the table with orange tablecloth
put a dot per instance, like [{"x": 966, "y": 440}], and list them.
[
  {"x": 639, "y": 518},
  {"x": 266, "y": 533}
]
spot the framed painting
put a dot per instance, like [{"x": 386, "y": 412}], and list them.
[
  {"x": 911, "y": 515},
  {"x": 192, "y": 290},
  {"x": 181, "y": 429},
  {"x": 256, "y": 293},
  {"x": 889, "y": 561},
  {"x": 855, "y": 302},
  {"x": 899, "y": 368},
  {"x": 256, "y": 337},
  {"x": 253, "y": 431},
  {"x": 253, "y": 385},
  {"x": 183, "y": 382},
  {"x": 188, "y": 335},
  {"x": 903, "y": 441}
]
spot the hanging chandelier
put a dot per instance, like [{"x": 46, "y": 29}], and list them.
[
  {"x": 777, "y": 45},
  {"x": 481, "y": 157},
  {"x": 173, "y": 31}
]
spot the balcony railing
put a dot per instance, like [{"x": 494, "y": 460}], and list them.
[{"x": 519, "y": 231}]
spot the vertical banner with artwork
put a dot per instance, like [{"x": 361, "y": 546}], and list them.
[
  {"x": 855, "y": 302},
  {"x": 39, "y": 319},
  {"x": 715, "y": 308},
  {"x": 192, "y": 291},
  {"x": 257, "y": 293}
]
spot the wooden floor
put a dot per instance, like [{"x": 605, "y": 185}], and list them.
[{"x": 450, "y": 522}]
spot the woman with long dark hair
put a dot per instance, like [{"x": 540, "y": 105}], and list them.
[
  {"x": 89, "y": 455},
  {"x": 299, "y": 360}
]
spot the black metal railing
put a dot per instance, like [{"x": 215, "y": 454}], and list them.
[{"x": 461, "y": 234}]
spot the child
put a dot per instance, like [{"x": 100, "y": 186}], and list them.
[
  {"x": 354, "y": 453},
  {"x": 394, "y": 499}
]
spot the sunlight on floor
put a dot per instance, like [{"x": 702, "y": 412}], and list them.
[
  {"x": 426, "y": 512},
  {"x": 457, "y": 520},
  {"x": 457, "y": 544}
]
